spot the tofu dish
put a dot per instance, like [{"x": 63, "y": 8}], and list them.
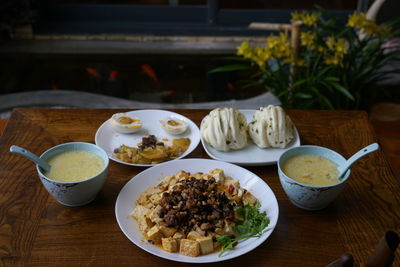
[{"x": 192, "y": 213}]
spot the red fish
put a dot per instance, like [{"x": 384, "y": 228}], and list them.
[
  {"x": 93, "y": 72},
  {"x": 113, "y": 75},
  {"x": 149, "y": 71},
  {"x": 55, "y": 87},
  {"x": 230, "y": 86}
]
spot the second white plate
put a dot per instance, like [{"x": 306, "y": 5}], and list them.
[
  {"x": 251, "y": 155},
  {"x": 128, "y": 195},
  {"x": 108, "y": 139}
]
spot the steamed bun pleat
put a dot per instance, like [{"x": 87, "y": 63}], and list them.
[
  {"x": 271, "y": 127},
  {"x": 224, "y": 129}
]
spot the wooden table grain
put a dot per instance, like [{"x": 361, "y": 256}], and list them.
[{"x": 36, "y": 230}]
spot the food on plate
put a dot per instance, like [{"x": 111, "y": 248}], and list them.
[
  {"x": 74, "y": 166},
  {"x": 173, "y": 125},
  {"x": 197, "y": 214},
  {"x": 224, "y": 129},
  {"x": 151, "y": 151},
  {"x": 271, "y": 127},
  {"x": 311, "y": 170},
  {"x": 123, "y": 123}
]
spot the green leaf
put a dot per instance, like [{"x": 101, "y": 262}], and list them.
[
  {"x": 303, "y": 95},
  {"x": 343, "y": 91},
  {"x": 252, "y": 223},
  {"x": 298, "y": 83},
  {"x": 233, "y": 67}
]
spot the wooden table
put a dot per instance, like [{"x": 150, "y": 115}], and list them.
[{"x": 36, "y": 230}]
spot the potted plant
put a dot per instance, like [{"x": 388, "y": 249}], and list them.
[{"x": 334, "y": 66}]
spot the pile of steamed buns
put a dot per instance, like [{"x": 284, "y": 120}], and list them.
[{"x": 227, "y": 129}]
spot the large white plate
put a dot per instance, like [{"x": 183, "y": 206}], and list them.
[
  {"x": 152, "y": 176},
  {"x": 108, "y": 139},
  {"x": 251, "y": 155}
]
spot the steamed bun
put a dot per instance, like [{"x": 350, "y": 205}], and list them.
[
  {"x": 224, "y": 129},
  {"x": 271, "y": 127}
]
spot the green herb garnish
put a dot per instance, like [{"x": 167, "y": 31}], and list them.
[{"x": 250, "y": 223}]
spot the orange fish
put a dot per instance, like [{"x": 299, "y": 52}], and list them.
[
  {"x": 149, "y": 71},
  {"x": 55, "y": 87},
  {"x": 170, "y": 92},
  {"x": 230, "y": 86},
  {"x": 113, "y": 75},
  {"x": 93, "y": 72}
]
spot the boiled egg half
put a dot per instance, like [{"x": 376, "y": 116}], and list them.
[
  {"x": 173, "y": 125},
  {"x": 123, "y": 123}
]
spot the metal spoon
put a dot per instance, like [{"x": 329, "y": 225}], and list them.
[
  {"x": 29, "y": 155},
  {"x": 365, "y": 151}
]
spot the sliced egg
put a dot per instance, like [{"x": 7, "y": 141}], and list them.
[
  {"x": 124, "y": 123},
  {"x": 173, "y": 125}
]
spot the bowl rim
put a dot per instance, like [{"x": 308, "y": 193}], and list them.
[
  {"x": 104, "y": 156},
  {"x": 280, "y": 171}
]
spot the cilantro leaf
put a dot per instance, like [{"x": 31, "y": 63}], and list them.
[{"x": 250, "y": 222}]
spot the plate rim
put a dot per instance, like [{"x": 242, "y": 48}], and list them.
[
  {"x": 171, "y": 113},
  {"x": 187, "y": 259},
  {"x": 241, "y": 163}
]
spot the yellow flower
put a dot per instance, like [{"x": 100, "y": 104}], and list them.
[
  {"x": 359, "y": 21},
  {"x": 243, "y": 49},
  {"x": 308, "y": 38},
  {"x": 308, "y": 19},
  {"x": 356, "y": 20},
  {"x": 341, "y": 46},
  {"x": 337, "y": 48},
  {"x": 330, "y": 42},
  {"x": 332, "y": 60},
  {"x": 279, "y": 46}
]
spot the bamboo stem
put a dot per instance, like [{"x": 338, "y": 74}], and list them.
[{"x": 270, "y": 26}]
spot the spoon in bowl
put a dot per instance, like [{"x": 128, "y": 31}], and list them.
[
  {"x": 29, "y": 155},
  {"x": 364, "y": 151}
]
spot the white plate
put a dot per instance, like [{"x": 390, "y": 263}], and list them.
[
  {"x": 109, "y": 139},
  {"x": 251, "y": 155},
  {"x": 126, "y": 201}
]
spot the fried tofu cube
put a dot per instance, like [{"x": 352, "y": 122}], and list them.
[
  {"x": 139, "y": 213},
  {"x": 228, "y": 228},
  {"x": 189, "y": 248},
  {"x": 197, "y": 175},
  {"x": 155, "y": 198},
  {"x": 206, "y": 244},
  {"x": 178, "y": 236},
  {"x": 169, "y": 244},
  {"x": 182, "y": 174},
  {"x": 193, "y": 235},
  {"x": 249, "y": 199},
  {"x": 154, "y": 215},
  {"x": 154, "y": 234},
  {"x": 218, "y": 175},
  {"x": 167, "y": 231}
]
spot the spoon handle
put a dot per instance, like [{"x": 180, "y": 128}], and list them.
[
  {"x": 27, "y": 154},
  {"x": 364, "y": 151}
]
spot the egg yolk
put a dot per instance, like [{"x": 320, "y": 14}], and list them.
[
  {"x": 125, "y": 120},
  {"x": 173, "y": 123}
]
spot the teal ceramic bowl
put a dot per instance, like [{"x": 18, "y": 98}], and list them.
[
  {"x": 75, "y": 193},
  {"x": 307, "y": 196}
]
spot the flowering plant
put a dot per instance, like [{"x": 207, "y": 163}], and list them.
[{"x": 333, "y": 66}]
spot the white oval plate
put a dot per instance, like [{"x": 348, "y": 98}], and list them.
[
  {"x": 251, "y": 155},
  {"x": 109, "y": 139},
  {"x": 126, "y": 201}
]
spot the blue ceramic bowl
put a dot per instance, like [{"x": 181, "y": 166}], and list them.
[
  {"x": 75, "y": 193},
  {"x": 307, "y": 196}
]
